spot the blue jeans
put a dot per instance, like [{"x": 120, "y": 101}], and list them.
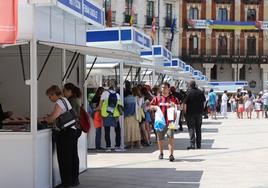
[{"x": 98, "y": 138}]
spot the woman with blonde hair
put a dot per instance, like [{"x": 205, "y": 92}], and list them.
[{"x": 66, "y": 140}]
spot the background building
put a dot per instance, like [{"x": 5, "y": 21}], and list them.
[
  {"x": 226, "y": 39},
  {"x": 144, "y": 14}
]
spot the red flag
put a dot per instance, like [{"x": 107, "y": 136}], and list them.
[
  {"x": 109, "y": 17},
  {"x": 8, "y": 21}
]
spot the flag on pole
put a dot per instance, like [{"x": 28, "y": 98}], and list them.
[
  {"x": 109, "y": 17},
  {"x": 131, "y": 21},
  {"x": 153, "y": 29},
  {"x": 8, "y": 21},
  {"x": 172, "y": 29}
]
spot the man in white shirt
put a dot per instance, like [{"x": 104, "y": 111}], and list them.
[
  {"x": 224, "y": 100},
  {"x": 265, "y": 102}
]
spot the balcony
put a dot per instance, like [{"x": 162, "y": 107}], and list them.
[
  {"x": 251, "y": 52},
  {"x": 224, "y": 1},
  {"x": 195, "y": 1},
  {"x": 252, "y": 1},
  {"x": 206, "y": 56}
]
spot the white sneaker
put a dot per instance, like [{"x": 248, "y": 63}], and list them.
[
  {"x": 108, "y": 149},
  {"x": 118, "y": 149}
]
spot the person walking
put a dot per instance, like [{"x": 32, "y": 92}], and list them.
[
  {"x": 232, "y": 102},
  {"x": 249, "y": 98},
  {"x": 258, "y": 104},
  {"x": 212, "y": 101},
  {"x": 193, "y": 106},
  {"x": 165, "y": 100},
  {"x": 265, "y": 102},
  {"x": 239, "y": 104},
  {"x": 224, "y": 99}
]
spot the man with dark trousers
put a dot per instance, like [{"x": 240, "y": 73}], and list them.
[{"x": 193, "y": 106}]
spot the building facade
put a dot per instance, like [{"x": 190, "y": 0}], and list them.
[
  {"x": 147, "y": 13},
  {"x": 226, "y": 39}
]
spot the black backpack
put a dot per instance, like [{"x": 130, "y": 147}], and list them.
[{"x": 112, "y": 100}]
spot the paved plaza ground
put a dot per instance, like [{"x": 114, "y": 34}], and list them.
[{"x": 234, "y": 154}]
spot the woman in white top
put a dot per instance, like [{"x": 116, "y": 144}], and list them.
[
  {"x": 66, "y": 139},
  {"x": 249, "y": 99}
]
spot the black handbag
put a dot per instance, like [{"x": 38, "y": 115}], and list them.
[{"x": 67, "y": 119}]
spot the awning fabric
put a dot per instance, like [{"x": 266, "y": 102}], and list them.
[{"x": 97, "y": 52}]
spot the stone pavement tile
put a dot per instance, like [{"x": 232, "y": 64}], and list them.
[
  {"x": 140, "y": 177},
  {"x": 234, "y": 154}
]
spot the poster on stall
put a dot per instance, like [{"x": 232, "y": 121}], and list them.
[{"x": 8, "y": 21}]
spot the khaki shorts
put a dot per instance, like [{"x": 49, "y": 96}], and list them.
[{"x": 169, "y": 132}]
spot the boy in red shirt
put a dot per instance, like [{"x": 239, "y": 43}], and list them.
[{"x": 165, "y": 100}]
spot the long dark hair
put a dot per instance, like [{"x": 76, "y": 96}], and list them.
[{"x": 75, "y": 90}]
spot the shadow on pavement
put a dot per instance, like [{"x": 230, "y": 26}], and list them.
[
  {"x": 139, "y": 178},
  {"x": 215, "y": 122},
  {"x": 180, "y": 144}
]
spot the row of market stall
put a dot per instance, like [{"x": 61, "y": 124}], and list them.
[{"x": 58, "y": 42}]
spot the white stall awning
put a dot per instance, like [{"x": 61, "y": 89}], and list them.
[{"x": 96, "y": 51}]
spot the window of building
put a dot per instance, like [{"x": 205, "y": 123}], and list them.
[
  {"x": 251, "y": 45},
  {"x": 128, "y": 10},
  {"x": 223, "y": 14},
  {"x": 193, "y": 13},
  {"x": 150, "y": 12},
  {"x": 213, "y": 73},
  {"x": 168, "y": 15},
  {"x": 193, "y": 44},
  {"x": 113, "y": 17},
  {"x": 251, "y": 15},
  {"x": 222, "y": 45},
  {"x": 242, "y": 75}
]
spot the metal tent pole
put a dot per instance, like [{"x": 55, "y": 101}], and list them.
[{"x": 121, "y": 75}]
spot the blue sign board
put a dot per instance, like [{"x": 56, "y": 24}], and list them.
[
  {"x": 93, "y": 13},
  {"x": 175, "y": 63},
  {"x": 102, "y": 36},
  {"x": 127, "y": 36},
  {"x": 182, "y": 64},
  {"x": 142, "y": 39},
  {"x": 189, "y": 69},
  {"x": 146, "y": 53},
  {"x": 167, "y": 64},
  {"x": 83, "y": 9},
  {"x": 178, "y": 64},
  {"x": 197, "y": 73},
  {"x": 240, "y": 83}
]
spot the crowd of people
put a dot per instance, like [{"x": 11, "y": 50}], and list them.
[
  {"x": 140, "y": 105},
  {"x": 159, "y": 110},
  {"x": 243, "y": 103}
]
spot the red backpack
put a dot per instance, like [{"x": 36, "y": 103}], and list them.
[{"x": 84, "y": 120}]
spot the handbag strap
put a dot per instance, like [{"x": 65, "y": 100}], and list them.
[{"x": 65, "y": 104}]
